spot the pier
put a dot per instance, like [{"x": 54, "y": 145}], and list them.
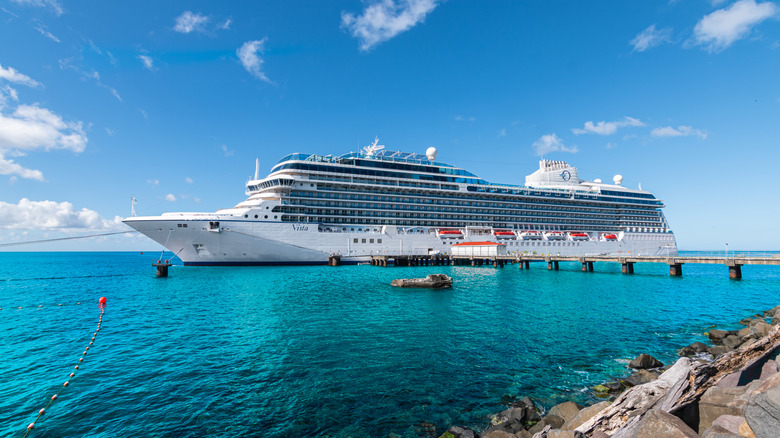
[{"x": 734, "y": 264}]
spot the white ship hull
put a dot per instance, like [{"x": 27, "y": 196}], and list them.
[{"x": 246, "y": 242}]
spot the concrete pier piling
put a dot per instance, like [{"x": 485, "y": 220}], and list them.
[{"x": 162, "y": 267}]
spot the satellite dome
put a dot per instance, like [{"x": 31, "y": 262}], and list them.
[
  {"x": 597, "y": 180},
  {"x": 431, "y": 152},
  {"x": 618, "y": 179}
]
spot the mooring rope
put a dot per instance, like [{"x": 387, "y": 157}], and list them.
[
  {"x": 65, "y": 238},
  {"x": 102, "y": 304}
]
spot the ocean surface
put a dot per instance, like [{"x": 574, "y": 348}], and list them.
[{"x": 332, "y": 351}]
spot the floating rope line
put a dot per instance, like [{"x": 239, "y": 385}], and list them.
[
  {"x": 65, "y": 238},
  {"x": 102, "y": 304},
  {"x": 41, "y": 305}
]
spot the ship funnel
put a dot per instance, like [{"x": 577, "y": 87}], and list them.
[{"x": 257, "y": 168}]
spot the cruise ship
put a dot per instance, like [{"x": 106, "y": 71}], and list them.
[{"x": 380, "y": 202}]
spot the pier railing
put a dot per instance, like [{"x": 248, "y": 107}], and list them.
[{"x": 734, "y": 262}]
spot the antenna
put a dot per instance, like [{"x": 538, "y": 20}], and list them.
[
  {"x": 373, "y": 148},
  {"x": 133, "y": 201},
  {"x": 257, "y": 168}
]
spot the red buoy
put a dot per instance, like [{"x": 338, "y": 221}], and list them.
[
  {"x": 41, "y": 411},
  {"x": 31, "y": 426},
  {"x": 54, "y": 397},
  {"x": 102, "y": 300},
  {"x": 65, "y": 384},
  {"x": 76, "y": 367},
  {"x": 72, "y": 374}
]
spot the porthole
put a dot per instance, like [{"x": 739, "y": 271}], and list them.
[
  {"x": 265, "y": 217},
  {"x": 246, "y": 216},
  {"x": 255, "y": 216},
  {"x": 274, "y": 217}
]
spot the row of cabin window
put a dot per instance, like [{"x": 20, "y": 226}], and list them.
[{"x": 364, "y": 240}]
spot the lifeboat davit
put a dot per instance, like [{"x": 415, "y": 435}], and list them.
[
  {"x": 610, "y": 237},
  {"x": 450, "y": 234},
  {"x": 555, "y": 235},
  {"x": 505, "y": 234},
  {"x": 579, "y": 236},
  {"x": 531, "y": 235}
]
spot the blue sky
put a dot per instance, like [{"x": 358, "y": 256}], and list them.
[{"x": 172, "y": 102}]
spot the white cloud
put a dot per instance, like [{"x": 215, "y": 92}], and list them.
[
  {"x": 170, "y": 197},
  {"x": 651, "y": 37},
  {"x": 226, "y": 24},
  {"x": 722, "y": 28},
  {"x": 227, "y": 151},
  {"x": 252, "y": 62},
  {"x": 188, "y": 180},
  {"x": 154, "y": 182},
  {"x": 607, "y": 128},
  {"x": 460, "y": 118},
  {"x": 48, "y": 4},
  {"x": 384, "y": 19},
  {"x": 50, "y": 215},
  {"x": 502, "y": 133},
  {"x": 147, "y": 61},
  {"x": 46, "y": 33},
  {"x": 11, "y": 75},
  {"x": 9, "y": 167},
  {"x": 30, "y": 127},
  {"x": 551, "y": 143},
  {"x": 681, "y": 131},
  {"x": 188, "y": 22}
]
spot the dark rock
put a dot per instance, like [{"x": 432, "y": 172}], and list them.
[
  {"x": 732, "y": 341},
  {"x": 771, "y": 311},
  {"x": 458, "y": 432},
  {"x": 566, "y": 410},
  {"x": 745, "y": 321},
  {"x": 584, "y": 415},
  {"x": 553, "y": 421},
  {"x": 745, "y": 333},
  {"x": 763, "y": 408},
  {"x": 717, "y": 335},
  {"x": 558, "y": 433},
  {"x": 498, "y": 434},
  {"x": 718, "y": 432},
  {"x": 762, "y": 329},
  {"x": 775, "y": 318},
  {"x": 433, "y": 281},
  {"x": 641, "y": 377},
  {"x": 718, "y": 350},
  {"x": 645, "y": 361},
  {"x": 656, "y": 423},
  {"x": 528, "y": 408},
  {"x": 696, "y": 347}
]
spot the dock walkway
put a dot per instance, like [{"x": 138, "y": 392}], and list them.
[{"x": 734, "y": 264}]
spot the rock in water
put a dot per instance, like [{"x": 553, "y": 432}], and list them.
[
  {"x": 433, "y": 281},
  {"x": 645, "y": 361}
]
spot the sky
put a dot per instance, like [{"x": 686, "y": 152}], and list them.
[{"x": 172, "y": 102}]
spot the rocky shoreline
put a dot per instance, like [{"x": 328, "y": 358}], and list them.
[{"x": 729, "y": 389}]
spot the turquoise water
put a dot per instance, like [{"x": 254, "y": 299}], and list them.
[{"x": 324, "y": 351}]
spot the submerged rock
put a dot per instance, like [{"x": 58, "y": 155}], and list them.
[
  {"x": 433, "y": 281},
  {"x": 645, "y": 361}
]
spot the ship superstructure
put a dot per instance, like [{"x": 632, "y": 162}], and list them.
[{"x": 381, "y": 202}]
